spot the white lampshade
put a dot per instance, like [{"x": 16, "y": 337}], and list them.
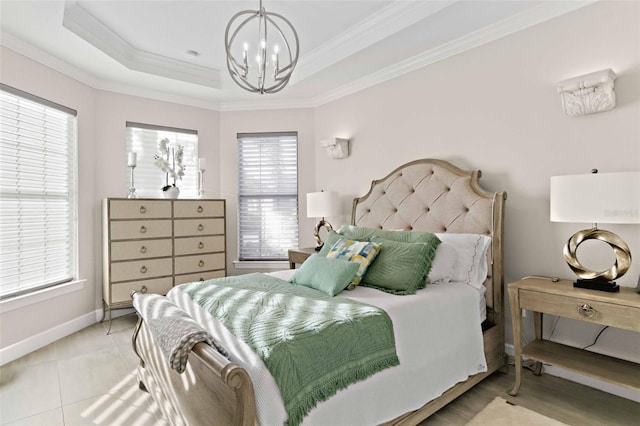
[
  {"x": 596, "y": 198},
  {"x": 323, "y": 204}
]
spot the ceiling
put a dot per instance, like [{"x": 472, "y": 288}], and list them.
[{"x": 141, "y": 47}]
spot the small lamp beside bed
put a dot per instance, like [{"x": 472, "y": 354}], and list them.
[
  {"x": 320, "y": 205},
  {"x": 597, "y": 198}
]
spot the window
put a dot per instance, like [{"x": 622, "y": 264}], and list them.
[
  {"x": 37, "y": 193},
  {"x": 143, "y": 139},
  {"x": 268, "y": 195}
]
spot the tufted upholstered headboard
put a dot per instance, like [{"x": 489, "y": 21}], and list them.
[{"x": 435, "y": 196}]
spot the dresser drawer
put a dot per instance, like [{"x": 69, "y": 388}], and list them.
[
  {"x": 140, "y": 209},
  {"x": 198, "y": 208},
  {"x": 143, "y": 249},
  {"x": 190, "y": 278},
  {"x": 192, "y": 227},
  {"x": 141, "y": 269},
  {"x": 611, "y": 314},
  {"x": 197, "y": 263},
  {"x": 136, "y": 229},
  {"x": 121, "y": 292},
  {"x": 193, "y": 245}
]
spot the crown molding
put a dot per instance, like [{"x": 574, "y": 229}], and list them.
[
  {"x": 265, "y": 105},
  {"x": 79, "y": 21},
  {"x": 27, "y": 50},
  {"x": 386, "y": 22},
  {"x": 521, "y": 21}
]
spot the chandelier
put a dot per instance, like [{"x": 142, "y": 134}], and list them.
[{"x": 265, "y": 67}]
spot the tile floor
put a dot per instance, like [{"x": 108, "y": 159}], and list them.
[{"x": 87, "y": 378}]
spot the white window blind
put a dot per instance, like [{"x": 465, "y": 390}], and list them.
[
  {"x": 268, "y": 195},
  {"x": 143, "y": 139},
  {"x": 37, "y": 193}
]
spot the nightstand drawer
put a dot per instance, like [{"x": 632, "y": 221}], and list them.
[
  {"x": 136, "y": 229},
  {"x": 611, "y": 314},
  {"x": 193, "y": 245},
  {"x": 144, "y": 249},
  {"x": 139, "y": 209},
  {"x": 198, "y": 209},
  {"x": 204, "y": 262},
  {"x": 192, "y": 227}
]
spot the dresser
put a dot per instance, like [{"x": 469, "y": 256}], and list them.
[{"x": 151, "y": 245}]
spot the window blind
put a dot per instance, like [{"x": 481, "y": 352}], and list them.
[
  {"x": 37, "y": 193},
  {"x": 143, "y": 139},
  {"x": 268, "y": 195}
]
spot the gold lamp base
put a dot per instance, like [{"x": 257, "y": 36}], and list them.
[
  {"x": 316, "y": 232},
  {"x": 602, "y": 280}
]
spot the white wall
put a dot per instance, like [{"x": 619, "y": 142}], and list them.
[{"x": 495, "y": 108}]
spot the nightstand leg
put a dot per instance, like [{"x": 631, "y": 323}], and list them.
[
  {"x": 516, "y": 321},
  {"x": 537, "y": 326}
]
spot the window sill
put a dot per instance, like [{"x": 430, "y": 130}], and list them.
[
  {"x": 41, "y": 295},
  {"x": 261, "y": 264}
]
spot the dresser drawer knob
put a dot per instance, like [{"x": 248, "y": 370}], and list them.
[
  {"x": 143, "y": 229},
  {"x": 587, "y": 311},
  {"x": 143, "y": 249},
  {"x": 200, "y": 227},
  {"x": 201, "y": 263},
  {"x": 200, "y": 245},
  {"x": 200, "y": 209},
  {"x": 143, "y": 289},
  {"x": 143, "y": 270},
  {"x": 143, "y": 209}
]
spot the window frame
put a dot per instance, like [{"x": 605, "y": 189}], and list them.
[
  {"x": 283, "y": 247},
  {"x": 188, "y": 185},
  {"x": 72, "y": 198}
]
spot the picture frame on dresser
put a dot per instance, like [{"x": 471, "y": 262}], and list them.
[{"x": 151, "y": 245}]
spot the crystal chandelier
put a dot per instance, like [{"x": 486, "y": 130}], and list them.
[{"x": 249, "y": 65}]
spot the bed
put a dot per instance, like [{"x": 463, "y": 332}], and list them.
[{"x": 425, "y": 195}]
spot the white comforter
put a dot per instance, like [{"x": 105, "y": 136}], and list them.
[{"x": 438, "y": 341}]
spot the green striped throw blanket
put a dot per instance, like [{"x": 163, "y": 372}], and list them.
[{"x": 312, "y": 344}]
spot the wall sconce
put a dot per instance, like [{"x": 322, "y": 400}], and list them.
[
  {"x": 588, "y": 93},
  {"x": 336, "y": 148}
]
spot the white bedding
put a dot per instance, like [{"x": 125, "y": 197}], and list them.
[{"x": 438, "y": 341}]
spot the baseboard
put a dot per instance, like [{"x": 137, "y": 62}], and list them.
[
  {"x": 15, "y": 351},
  {"x": 586, "y": 380}
]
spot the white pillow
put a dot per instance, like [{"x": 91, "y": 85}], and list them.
[
  {"x": 442, "y": 265},
  {"x": 471, "y": 257}
]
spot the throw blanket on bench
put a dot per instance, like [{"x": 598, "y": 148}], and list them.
[
  {"x": 313, "y": 344},
  {"x": 175, "y": 332}
]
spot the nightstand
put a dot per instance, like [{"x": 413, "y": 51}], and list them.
[
  {"x": 299, "y": 255},
  {"x": 620, "y": 310}
]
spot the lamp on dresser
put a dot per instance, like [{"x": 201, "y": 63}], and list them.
[
  {"x": 320, "y": 205},
  {"x": 597, "y": 198}
]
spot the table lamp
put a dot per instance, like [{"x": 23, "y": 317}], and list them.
[
  {"x": 597, "y": 198},
  {"x": 320, "y": 205}
]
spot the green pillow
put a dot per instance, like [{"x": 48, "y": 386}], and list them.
[
  {"x": 362, "y": 253},
  {"x": 329, "y": 276},
  {"x": 401, "y": 268},
  {"x": 362, "y": 233},
  {"x": 329, "y": 241}
]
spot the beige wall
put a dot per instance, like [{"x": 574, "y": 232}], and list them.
[{"x": 495, "y": 108}]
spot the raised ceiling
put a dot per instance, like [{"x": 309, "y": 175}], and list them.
[{"x": 146, "y": 47}]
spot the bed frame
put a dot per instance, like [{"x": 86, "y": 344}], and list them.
[{"x": 425, "y": 195}]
